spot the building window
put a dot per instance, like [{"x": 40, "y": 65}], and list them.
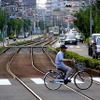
[{"x": 58, "y": 4}]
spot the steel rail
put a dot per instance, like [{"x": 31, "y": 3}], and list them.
[
  {"x": 15, "y": 77},
  {"x": 4, "y": 50},
  {"x": 80, "y": 93}
]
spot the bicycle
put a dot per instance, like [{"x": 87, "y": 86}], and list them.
[{"x": 54, "y": 79}]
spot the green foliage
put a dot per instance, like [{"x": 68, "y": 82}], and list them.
[
  {"x": 14, "y": 25},
  {"x": 2, "y": 19},
  {"x": 2, "y": 48},
  {"x": 86, "y": 40},
  {"x": 26, "y": 24},
  {"x": 19, "y": 43},
  {"x": 83, "y": 20},
  {"x": 1, "y": 39}
]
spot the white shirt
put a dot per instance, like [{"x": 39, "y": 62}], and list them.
[{"x": 59, "y": 58}]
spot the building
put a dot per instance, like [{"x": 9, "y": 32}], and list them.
[
  {"x": 10, "y": 2},
  {"x": 51, "y": 5},
  {"x": 30, "y": 3}
]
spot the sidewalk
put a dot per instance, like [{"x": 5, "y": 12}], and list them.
[{"x": 10, "y": 41}]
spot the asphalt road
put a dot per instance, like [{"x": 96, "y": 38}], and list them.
[
  {"x": 13, "y": 90},
  {"x": 80, "y": 48}
]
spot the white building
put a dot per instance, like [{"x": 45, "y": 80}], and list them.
[
  {"x": 55, "y": 4},
  {"x": 41, "y": 4},
  {"x": 51, "y": 5}
]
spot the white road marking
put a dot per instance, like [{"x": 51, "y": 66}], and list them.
[
  {"x": 77, "y": 81},
  {"x": 71, "y": 46},
  {"x": 78, "y": 47},
  {"x": 96, "y": 79},
  {"x": 41, "y": 81},
  {"x": 83, "y": 46},
  {"x": 37, "y": 80},
  {"x": 5, "y": 82}
]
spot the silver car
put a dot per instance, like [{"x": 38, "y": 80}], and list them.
[{"x": 71, "y": 39}]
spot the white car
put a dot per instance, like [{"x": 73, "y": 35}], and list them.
[
  {"x": 21, "y": 36},
  {"x": 71, "y": 39},
  {"x": 62, "y": 38}
]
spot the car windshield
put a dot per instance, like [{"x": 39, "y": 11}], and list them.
[
  {"x": 62, "y": 35},
  {"x": 71, "y": 37},
  {"x": 98, "y": 41},
  {"x": 95, "y": 36},
  {"x": 56, "y": 30}
]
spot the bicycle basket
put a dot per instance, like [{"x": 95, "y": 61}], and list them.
[{"x": 80, "y": 66}]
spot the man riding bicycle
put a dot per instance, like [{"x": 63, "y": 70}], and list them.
[{"x": 60, "y": 63}]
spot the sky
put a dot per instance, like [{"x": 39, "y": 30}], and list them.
[{"x": 41, "y": 3}]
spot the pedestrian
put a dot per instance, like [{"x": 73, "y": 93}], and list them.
[{"x": 60, "y": 65}]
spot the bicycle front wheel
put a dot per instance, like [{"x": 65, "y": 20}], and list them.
[
  {"x": 83, "y": 80},
  {"x": 49, "y": 80}
]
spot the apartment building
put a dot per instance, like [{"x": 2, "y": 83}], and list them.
[{"x": 51, "y": 5}]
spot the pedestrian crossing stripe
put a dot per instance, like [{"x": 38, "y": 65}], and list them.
[
  {"x": 77, "y": 81},
  {"x": 41, "y": 81},
  {"x": 37, "y": 80},
  {"x": 78, "y": 47},
  {"x": 5, "y": 82},
  {"x": 96, "y": 79}
]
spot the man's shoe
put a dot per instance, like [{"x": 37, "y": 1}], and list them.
[{"x": 66, "y": 81}]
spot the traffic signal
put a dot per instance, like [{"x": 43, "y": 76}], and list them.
[
  {"x": 69, "y": 5},
  {"x": 19, "y": 17}
]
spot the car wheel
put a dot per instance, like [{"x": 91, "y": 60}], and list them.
[
  {"x": 94, "y": 56},
  {"x": 76, "y": 43}
]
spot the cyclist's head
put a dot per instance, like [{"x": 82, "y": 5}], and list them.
[{"x": 63, "y": 47}]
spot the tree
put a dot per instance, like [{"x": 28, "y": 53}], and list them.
[
  {"x": 2, "y": 19},
  {"x": 26, "y": 24},
  {"x": 83, "y": 20}
]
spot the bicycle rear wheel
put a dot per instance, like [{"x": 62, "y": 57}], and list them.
[
  {"x": 83, "y": 80},
  {"x": 49, "y": 80}
]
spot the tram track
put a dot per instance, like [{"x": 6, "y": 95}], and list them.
[
  {"x": 11, "y": 70},
  {"x": 16, "y": 76},
  {"x": 74, "y": 90},
  {"x": 38, "y": 54},
  {"x": 36, "y": 65}
]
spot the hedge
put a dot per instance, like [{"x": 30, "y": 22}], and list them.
[
  {"x": 90, "y": 63},
  {"x": 2, "y": 48}
]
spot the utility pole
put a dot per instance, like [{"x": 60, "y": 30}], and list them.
[{"x": 91, "y": 19}]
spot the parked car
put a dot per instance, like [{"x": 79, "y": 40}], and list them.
[
  {"x": 27, "y": 34},
  {"x": 21, "y": 36},
  {"x": 62, "y": 38},
  {"x": 80, "y": 37},
  {"x": 92, "y": 40},
  {"x": 71, "y": 39},
  {"x": 96, "y": 48}
]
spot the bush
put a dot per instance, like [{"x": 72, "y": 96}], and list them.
[
  {"x": 1, "y": 39},
  {"x": 1, "y": 48},
  {"x": 89, "y": 62},
  {"x": 87, "y": 40}
]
